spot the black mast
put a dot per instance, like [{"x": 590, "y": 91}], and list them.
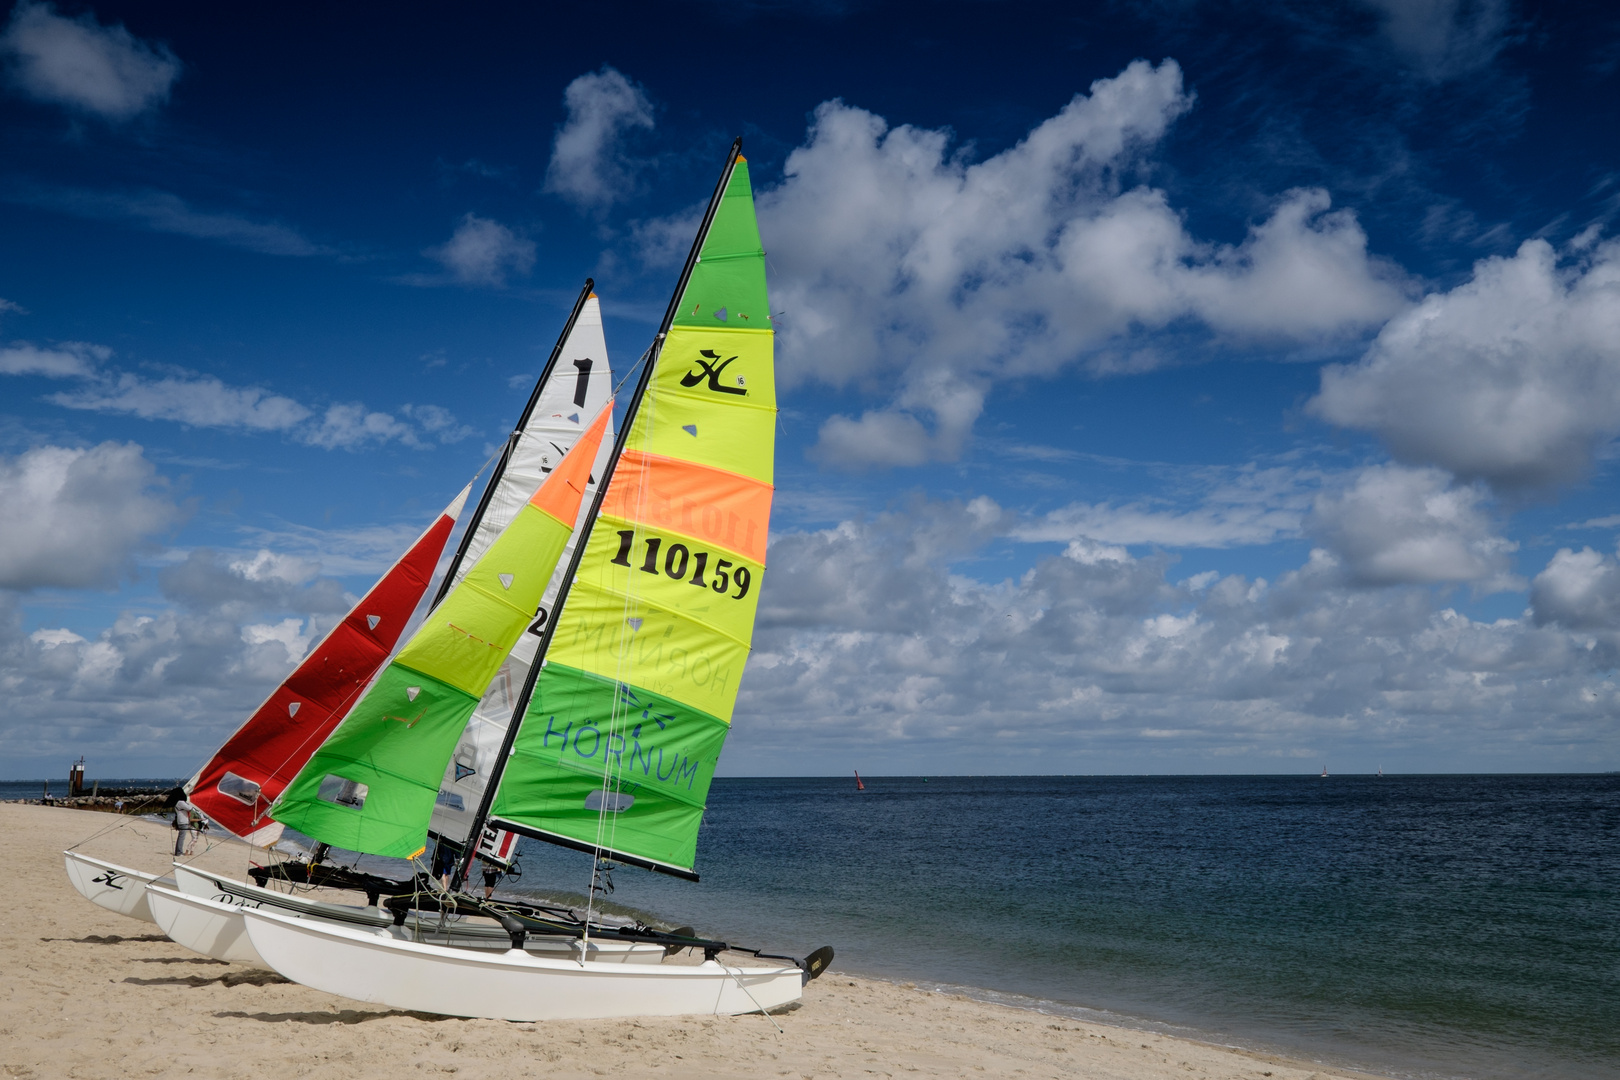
[
  {"x": 475, "y": 835},
  {"x": 511, "y": 445}
]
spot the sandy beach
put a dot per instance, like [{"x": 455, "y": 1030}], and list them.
[{"x": 88, "y": 993}]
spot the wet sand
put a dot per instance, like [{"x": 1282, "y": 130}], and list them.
[{"x": 88, "y": 993}]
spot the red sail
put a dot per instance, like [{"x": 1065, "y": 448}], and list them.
[{"x": 246, "y": 775}]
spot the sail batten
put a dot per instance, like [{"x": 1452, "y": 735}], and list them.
[{"x": 625, "y": 723}]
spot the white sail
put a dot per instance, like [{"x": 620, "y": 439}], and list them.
[{"x": 580, "y": 384}]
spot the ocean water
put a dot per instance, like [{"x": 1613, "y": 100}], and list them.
[{"x": 1416, "y": 925}]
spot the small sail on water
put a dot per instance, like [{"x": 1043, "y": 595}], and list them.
[
  {"x": 574, "y": 386},
  {"x": 371, "y": 786},
  {"x": 858, "y": 785},
  {"x": 246, "y": 774}
]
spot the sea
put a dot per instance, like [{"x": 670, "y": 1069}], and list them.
[{"x": 1415, "y": 926}]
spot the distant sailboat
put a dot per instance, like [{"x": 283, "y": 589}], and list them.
[
  {"x": 1324, "y": 772},
  {"x": 858, "y": 785},
  {"x": 1380, "y": 770}
]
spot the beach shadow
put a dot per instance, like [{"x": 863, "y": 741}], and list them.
[
  {"x": 792, "y": 1006},
  {"x": 179, "y": 960},
  {"x": 235, "y": 978},
  {"x": 106, "y": 939},
  {"x": 346, "y": 1016}
]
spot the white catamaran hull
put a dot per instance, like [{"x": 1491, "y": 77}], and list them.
[
  {"x": 226, "y": 898},
  {"x": 206, "y": 926},
  {"x": 116, "y": 888},
  {"x": 375, "y": 967}
]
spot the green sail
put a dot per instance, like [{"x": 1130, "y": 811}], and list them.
[
  {"x": 621, "y": 736},
  {"x": 372, "y": 784}
]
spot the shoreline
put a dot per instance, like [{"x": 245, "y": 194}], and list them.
[{"x": 92, "y": 993}]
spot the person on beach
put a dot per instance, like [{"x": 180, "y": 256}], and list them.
[
  {"x": 445, "y": 855},
  {"x": 182, "y": 827},
  {"x": 492, "y": 874}
]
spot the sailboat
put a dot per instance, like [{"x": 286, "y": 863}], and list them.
[
  {"x": 613, "y": 739},
  {"x": 858, "y": 785},
  {"x": 376, "y": 776},
  {"x": 237, "y": 785}
]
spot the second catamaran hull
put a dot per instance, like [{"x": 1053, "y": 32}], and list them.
[
  {"x": 224, "y": 898},
  {"x": 116, "y": 888},
  {"x": 204, "y": 926},
  {"x": 511, "y": 985}
]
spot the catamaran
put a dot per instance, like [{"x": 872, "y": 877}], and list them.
[
  {"x": 236, "y": 787},
  {"x": 614, "y": 736}
]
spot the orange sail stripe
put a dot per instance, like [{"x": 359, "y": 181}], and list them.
[
  {"x": 560, "y": 494},
  {"x": 721, "y": 508}
]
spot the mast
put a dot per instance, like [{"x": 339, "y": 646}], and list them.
[
  {"x": 511, "y": 444},
  {"x": 649, "y": 363}
]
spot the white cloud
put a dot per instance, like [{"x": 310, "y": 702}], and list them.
[
  {"x": 1512, "y": 377},
  {"x": 484, "y": 252},
  {"x": 74, "y": 518},
  {"x": 1238, "y": 507},
  {"x": 201, "y": 401},
  {"x": 206, "y": 401},
  {"x": 1397, "y": 526},
  {"x": 162, "y": 211},
  {"x": 71, "y": 359},
  {"x": 872, "y": 643},
  {"x": 587, "y": 166},
  {"x": 905, "y": 270},
  {"x": 1579, "y": 590},
  {"x": 349, "y": 426},
  {"x": 83, "y": 65}
]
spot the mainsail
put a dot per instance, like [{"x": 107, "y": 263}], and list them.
[
  {"x": 371, "y": 786},
  {"x": 238, "y": 784},
  {"x": 621, "y": 734},
  {"x": 574, "y": 387}
]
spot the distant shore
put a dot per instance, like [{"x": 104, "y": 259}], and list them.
[{"x": 90, "y": 993}]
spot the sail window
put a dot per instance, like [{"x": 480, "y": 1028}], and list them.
[
  {"x": 614, "y": 802},
  {"x": 451, "y": 801},
  {"x": 239, "y": 788},
  {"x": 342, "y": 791}
]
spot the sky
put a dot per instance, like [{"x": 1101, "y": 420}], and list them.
[{"x": 1166, "y": 387}]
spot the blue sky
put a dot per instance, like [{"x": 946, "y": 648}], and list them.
[{"x": 1168, "y": 387}]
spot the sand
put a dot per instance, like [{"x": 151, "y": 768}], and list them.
[{"x": 88, "y": 993}]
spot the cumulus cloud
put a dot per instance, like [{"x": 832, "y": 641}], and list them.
[
  {"x": 74, "y": 518},
  {"x": 873, "y": 641},
  {"x": 1579, "y": 590},
  {"x": 248, "y": 584},
  {"x": 588, "y": 166},
  {"x": 83, "y": 65},
  {"x": 484, "y": 252},
  {"x": 1400, "y": 526},
  {"x": 906, "y": 270},
  {"x": 1512, "y": 377}
]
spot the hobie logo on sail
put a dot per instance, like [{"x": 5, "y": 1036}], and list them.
[{"x": 712, "y": 372}]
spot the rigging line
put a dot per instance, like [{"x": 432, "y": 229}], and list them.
[{"x": 740, "y": 985}]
